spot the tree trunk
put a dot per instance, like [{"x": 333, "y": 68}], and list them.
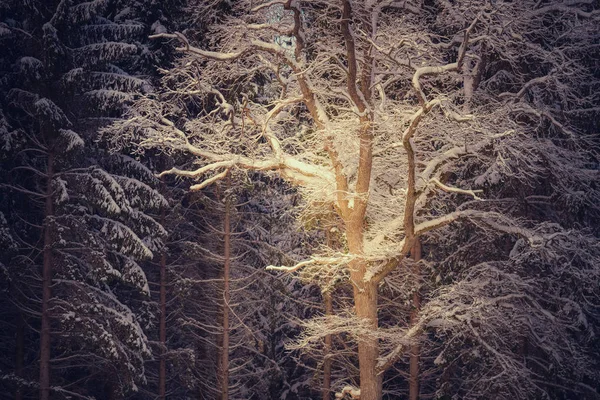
[
  {"x": 225, "y": 338},
  {"x": 415, "y": 349},
  {"x": 365, "y": 305},
  {"x": 162, "y": 370},
  {"x": 365, "y": 302},
  {"x": 20, "y": 353},
  {"x": 46, "y": 287},
  {"x": 326, "y": 390}
]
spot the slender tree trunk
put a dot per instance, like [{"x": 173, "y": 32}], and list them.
[
  {"x": 365, "y": 299},
  {"x": 415, "y": 349},
  {"x": 225, "y": 342},
  {"x": 326, "y": 390},
  {"x": 365, "y": 305},
  {"x": 162, "y": 369},
  {"x": 20, "y": 353},
  {"x": 46, "y": 286}
]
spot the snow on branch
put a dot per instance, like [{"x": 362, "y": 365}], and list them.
[
  {"x": 452, "y": 189},
  {"x": 268, "y": 4},
  {"x": 402, "y": 5},
  {"x": 210, "y": 181},
  {"x": 198, "y": 172},
  {"x": 453, "y": 153},
  {"x": 351, "y": 391},
  {"x": 73, "y": 140},
  {"x": 322, "y": 261},
  {"x": 221, "y": 56},
  {"x": 291, "y": 269},
  {"x": 566, "y": 7},
  {"x": 494, "y": 220},
  {"x": 213, "y": 55},
  {"x": 386, "y": 362},
  {"x": 436, "y": 70},
  {"x": 490, "y": 219},
  {"x": 317, "y": 328},
  {"x": 526, "y": 108}
]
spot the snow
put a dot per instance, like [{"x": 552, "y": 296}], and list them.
[
  {"x": 61, "y": 193},
  {"x": 73, "y": 139},
  {"x": 119, "y": 81},
  {"x": 4, "y": 30},
  {"x": 157, "y": 27},
  {"x": 106, "y": 30},
  {"x": 122, "y": 238},
  {"x": 127, "y": 166},
  {"x": 106, "y": 99},
  {"x": 31, "y": 67},
  {"x": 9, "y": 139},
  {"x": 73, "y": 76},
  {"x": 48, "y": 110},
  {"x": 140, "y": 195},
  {"x": 123, "y": 14},
  {"x": 133, "y": 274},
  {"x": 103, "y": 187},
  {"x": 87, "y": 10},
  {"x": 351, "y": 391},
  {"x": 104, "y": 52}
]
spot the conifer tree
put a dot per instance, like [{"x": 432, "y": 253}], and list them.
[{"x": 64, "y": 59}]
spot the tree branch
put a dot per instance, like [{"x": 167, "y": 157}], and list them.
[{"x": 451, "y": 189}]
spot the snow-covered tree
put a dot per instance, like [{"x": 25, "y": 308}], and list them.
[
  {"x": 259, "y": 308},
  {"x": 86, "y": 229},
  {"x": 394, "y": 115}
]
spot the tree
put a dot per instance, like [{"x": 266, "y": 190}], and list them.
[
  {"x": 260, "y": 307},
  {"x": 63, "y": 60},
  {"x": 324, "y": 95}
]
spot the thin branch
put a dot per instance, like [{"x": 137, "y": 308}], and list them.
[
  {"x": 210, "y": 181},
  {"x": 451, "y": 189}
]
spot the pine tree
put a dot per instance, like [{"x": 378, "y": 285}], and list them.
[{"x": 66, "y": 59}]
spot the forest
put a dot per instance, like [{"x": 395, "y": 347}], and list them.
[{"x": 299, "y": 199}]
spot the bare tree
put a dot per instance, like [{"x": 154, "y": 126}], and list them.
[{"x": 375, "y": 109}]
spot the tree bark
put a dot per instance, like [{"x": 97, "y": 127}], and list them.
[
  {"x": 46, "y": 286},
  {"x": 415, "y": 349},
  {"x": 225, "y": 338},
  {"x": 162, "y": 370},
  {"x": 365, "y": 305},
  {"x": 326, "y": 389},
  {"x": 365, "y": 299}
]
